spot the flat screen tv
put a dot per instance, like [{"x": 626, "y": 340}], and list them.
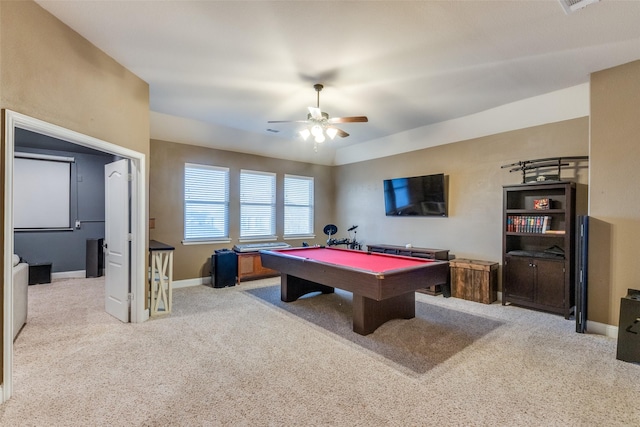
[{"x": 416, "y": 196}]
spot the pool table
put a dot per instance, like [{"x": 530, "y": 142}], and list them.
[{"x": 383, "y": 285}]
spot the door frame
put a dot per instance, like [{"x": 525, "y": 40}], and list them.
[{"x": 13, "y": 120}]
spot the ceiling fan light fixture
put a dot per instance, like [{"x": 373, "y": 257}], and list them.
[
  {"x": 316, "y": 130},
  {"x": 305, "y": 133},
  {"x": 332, "y": 132},
  {"x": 320, "y": 126}
]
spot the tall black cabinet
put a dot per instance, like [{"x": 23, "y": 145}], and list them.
[{"x": 539, "y": 246}]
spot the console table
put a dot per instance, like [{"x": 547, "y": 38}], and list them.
[
  {"x": 250, "y": 267},
  {"x": 439, "y": 254},
  {"x": 160, "y": 276}
]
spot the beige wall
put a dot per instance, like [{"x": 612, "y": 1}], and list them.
[
  {"x": 166, "y": 199},
  {"x": 614, "y": 190},
  {"x": 474, "y": 226},
  {"x": 49, "y": 72}
]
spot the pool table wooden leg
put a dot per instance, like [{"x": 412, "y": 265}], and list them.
[
  {"x": 292, "y": 288},
  {"x": 369, "y": 314}
]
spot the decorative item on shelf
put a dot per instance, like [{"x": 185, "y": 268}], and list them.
[
  {"x": 529, "y": 224},
  {"x": 537, "y": 166},
  {"x": 541, "y": 204},
  {"x": 555, "y": 232}
]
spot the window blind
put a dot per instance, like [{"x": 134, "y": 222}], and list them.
[
  {"x": 257, "y": 204},
  {"x": 206, "y": 202},
  {"x": 298, "y": 205}
]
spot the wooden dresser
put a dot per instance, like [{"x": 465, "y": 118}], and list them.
[{"x": 250, "y": 267}]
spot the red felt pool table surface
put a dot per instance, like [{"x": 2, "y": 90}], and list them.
[
  {"x": 372, "y": 262},
  {"x": 383, "y": 285}
]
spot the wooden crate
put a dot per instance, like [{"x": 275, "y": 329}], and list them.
[{"x": 474, "y": 280}]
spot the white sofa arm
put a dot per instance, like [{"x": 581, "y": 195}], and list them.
[{"x": 20, "y": 295}]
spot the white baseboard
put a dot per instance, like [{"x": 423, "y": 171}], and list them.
[
  {"x": 176, "y": 283},
  {"x": 191, "y": 282},
  {"x": 602, "y": 329},
  {"x": 69, "y": 274},
  {"x": 592, "y": 327}
]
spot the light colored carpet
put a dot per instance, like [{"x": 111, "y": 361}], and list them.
[{"x": 238, "y": 356}]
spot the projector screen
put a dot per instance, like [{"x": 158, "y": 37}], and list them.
[{"x": 41, "y": 191}]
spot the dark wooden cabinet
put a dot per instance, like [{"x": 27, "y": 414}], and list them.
[
  {"x": 539, "y": 246},
  {"x": 535, "y": 282}
]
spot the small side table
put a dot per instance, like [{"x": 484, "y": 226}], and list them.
[
  {"x": 39, "y": 272},
  {"x": 474, "y": 280},
  {"x": 160, "y": 277}
]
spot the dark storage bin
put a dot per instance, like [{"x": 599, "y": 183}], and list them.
[
  {"x": 629, "y": 328},
  {"x": 94, "y": 258},
  {"x": 224, "y": 268},
  {"x": 39, "y": 273}
]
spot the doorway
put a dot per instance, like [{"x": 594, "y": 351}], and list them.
[{"x": 13, "y": 121}]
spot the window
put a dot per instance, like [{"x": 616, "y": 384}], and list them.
[
  {"x": 298, "y": 205},
  {"x": 206, "y": 203},
  {"x": 257, "y": 205}
]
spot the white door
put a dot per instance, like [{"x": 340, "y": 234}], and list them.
[{"x": 116, "y": 239}]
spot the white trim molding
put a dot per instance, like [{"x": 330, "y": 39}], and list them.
[
  {"x": 602, "y": 329},
  {"x": 186, "y": 283}
]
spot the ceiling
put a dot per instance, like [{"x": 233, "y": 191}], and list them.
[{"x": 405, "y": 64}]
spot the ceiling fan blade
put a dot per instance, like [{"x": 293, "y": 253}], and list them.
[
  {"x": 315, "y": 113},
  {"x": 342, "y": 133},
  {"x": 356, "y": 119}
]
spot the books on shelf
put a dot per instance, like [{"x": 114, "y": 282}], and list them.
[{"x": 531, "y": 224}]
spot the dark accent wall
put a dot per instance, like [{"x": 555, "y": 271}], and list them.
[{"x": 66, "y": 250}]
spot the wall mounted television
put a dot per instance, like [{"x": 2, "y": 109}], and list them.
[{"x": 416, "y": 196}]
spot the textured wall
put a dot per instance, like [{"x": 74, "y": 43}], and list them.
[
  {"x": 474, "y": 226},
  {"x": 53, "y": 74},
  {"x": 49, "y": 72},
  {"x": 166, "y": 198},
  {"x": 614, "y": 190}
]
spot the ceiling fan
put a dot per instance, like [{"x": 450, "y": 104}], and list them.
[{"x": 319, "y": 123}]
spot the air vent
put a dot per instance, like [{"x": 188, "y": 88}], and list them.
[{"x": 571, "y": 6}]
